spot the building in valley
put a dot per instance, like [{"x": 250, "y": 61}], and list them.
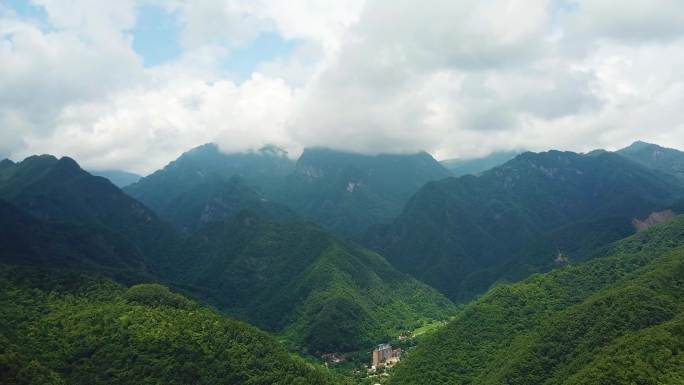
[{"x": 385, "y": 356}]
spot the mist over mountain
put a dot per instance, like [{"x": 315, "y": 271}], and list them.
[
  {"x": 118, "y": 177},
  {"x": 268, "y": 240},
  {"x": 474, "y": 166},
  {"x": 343, "y": 192},
  {"x": 359, "y": 192}
]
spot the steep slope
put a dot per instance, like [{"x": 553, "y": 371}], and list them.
[
  {"x": 667, "y": 160},
  {"x": 262, "y": 170},
  {"x": 343, "y": 192},
  {"x": 460, "y": 167},
  {"x": 462, "y": 234},
  {"x": 348, "y": 192},
  {"x": 325, "y": 294},
  {"x": 118, "y": 177},
  {"x": 288, "y": 277},
  {"x": 219, "y": 199},
  {"x": 69, "y": 328},
  {"x": 618, "y": 319},
  {"x": 25, "y": 240},
  {"x": 58, "y": 190}
]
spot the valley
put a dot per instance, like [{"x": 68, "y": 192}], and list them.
[{"x": 254, "y": 268}]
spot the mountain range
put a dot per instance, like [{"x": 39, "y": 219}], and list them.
[
  {"x": 618, "y": 319},
  {"x": 262, "y": 264},
  {"x": 553, "y": 267},
  {"x": 461, "y": 235},
  {"x": 343, "y": 192}
]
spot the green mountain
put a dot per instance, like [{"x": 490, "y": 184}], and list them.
[
  {"x": 618, "y": 319},
  {"x": 460, "y": 167},
  {"x": 348, "y": 192},
  {"x": 260, "y": 265},
  {"x": 58, "y": 190},
  {"x": 343, "y": 192},
  {"x": 219, "y": 199},
  {"x": 72, "y": 328},
  {"x": 667, "y": 160},
  {"x": 323, "y": 293},
  {"x": 118, "y": 177},
  {"x": 261, "y": 170},
  {"x": 26, "y": 240},
  {"x": 460, "y": 235}
]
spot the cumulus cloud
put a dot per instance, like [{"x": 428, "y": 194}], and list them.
[{"x": 458, "y": 79}]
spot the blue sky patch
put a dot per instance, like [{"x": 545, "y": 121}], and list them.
[
  {"x": 155, "y": 35},
  {"x": 28, "y": 11},
  {"x": 267, "y": 46}
]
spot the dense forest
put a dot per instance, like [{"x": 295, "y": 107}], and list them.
[
  {"x": 552, "y": 268},
  {"x": 461, "y": 235},
  {"x": 76, "y": 328},
  {"x": 617, "y": 319}
]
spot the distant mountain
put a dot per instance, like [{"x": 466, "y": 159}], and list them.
[
  {"x": 119, "y": 178},
  {"x": 59, "y": 191},
  {"x": 667, "y": 160},
  {"x": 219, "y": 199},
  {"x": 325, "y": 294},
  {"x": 344, "y": 192},
  {"x": 348, "y": 192},
  {"x": 61, "y": 327},
  {"x": 460, "y": 235},
  {"x": 206, "y": 185},
  {"x": 261, "y": 170},
  {"x": 618, "y": 319},
  {"x": 460, "y": 167}
]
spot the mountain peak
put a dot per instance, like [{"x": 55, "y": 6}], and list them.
[
  {"x": 6, "y": 163},
  {"x": 640, "y": 145},
  {"x": 67, "y": 166}
]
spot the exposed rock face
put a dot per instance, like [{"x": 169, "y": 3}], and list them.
[{"x": 655, "y": 218}]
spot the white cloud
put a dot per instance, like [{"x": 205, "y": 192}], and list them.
[
  {"x": 455, "y": 78},
  {"x": 143, "y": 128}
]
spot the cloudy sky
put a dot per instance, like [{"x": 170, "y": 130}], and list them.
[{"x": 131, "y": 84}]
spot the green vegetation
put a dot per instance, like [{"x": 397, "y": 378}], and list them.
[
  {"x": 323, "y": 294},
  {"x": 343, "y": 192},
  {"x": 26, "y": 240},
  {"x": 291, "y": 278},
  {"x": 618, "y": 319},
  {"x": 73, "y": 328},
  {"x": 461, "y": 235},
  {"x": 59, "y": 191},
  {"x": 347, "y": 193}
]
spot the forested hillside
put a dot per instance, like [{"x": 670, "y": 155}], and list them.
[
  {"x": 347, "y": 192},
  {"x": 667, "y": 160},
  {"x": 26, "y": 240},
  {"x": 204, "y": 179},
  {"x": 323, "y": 293},
  {"x": 263, "y": 265},
  {"x": 618, "y": 319},
  {"x": 343, "y": 192},
  {"x": 535, "y": 212},
  {"x": 59, "y": 191},
  {"x": 72, "y": 328}
]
